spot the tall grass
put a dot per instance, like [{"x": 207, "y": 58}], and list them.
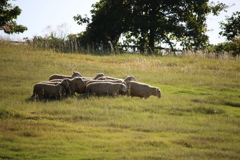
[{"x": 196, "y": 118}]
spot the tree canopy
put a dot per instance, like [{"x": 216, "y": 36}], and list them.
[
  {"x": 7, "y": 15},
  {"x": 231, "y": 28},
  {"x": 149, "y": 22}
]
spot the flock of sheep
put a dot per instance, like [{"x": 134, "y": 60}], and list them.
[{"x": 60, "y": 86}]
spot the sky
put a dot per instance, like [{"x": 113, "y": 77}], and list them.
[{"x": 45, "y": 16}]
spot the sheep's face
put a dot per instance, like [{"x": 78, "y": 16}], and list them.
[
  {"x": 130, "y": 78},
  {"x": 124, "y": 88},
  {"x": 78, "y": 81},
  {"x": 76, "y": 74},
  {"x": 158, "y": 93}
]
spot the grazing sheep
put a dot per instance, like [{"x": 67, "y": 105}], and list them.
[
  {"x": 106, "y": 88},
  {"x": 57, "y": 76},
  {"x": 77, "y": 81},
  {"x": 81, "y": 88},
  {"x": 142, "y": 90},
  {"x": 44, "y": 90}
]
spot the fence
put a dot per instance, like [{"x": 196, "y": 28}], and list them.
[{"x": 73, "y": 46}]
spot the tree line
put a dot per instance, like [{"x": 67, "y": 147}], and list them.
[{"x": 144, "y": 23}]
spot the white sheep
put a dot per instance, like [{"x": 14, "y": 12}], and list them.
[
  {"x": 44, "y": 90},
  {"x": 106, "y": 88},
  {"x": 142, "y": 90},
  {"x": 58, "y": 76}
]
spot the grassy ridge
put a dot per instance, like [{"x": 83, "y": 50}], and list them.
[{"x": 196, "y": 118}]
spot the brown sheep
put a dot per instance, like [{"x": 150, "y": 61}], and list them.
[
  {"x": 142, "y": 90},
  {"x": 81, "y": 88},
  {"x": 44, "y": 90},
  {"x": 58, "y": 76},
  {"x": 76, "y": 82},
  {"x": 106, "y": 88}
]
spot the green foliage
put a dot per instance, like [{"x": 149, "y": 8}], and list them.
[
  {"x": 197, "y": 116},
  {"x": 7, "y": 15},
  {"x": 232, "y": 47},
  {"x": 147, "y": 23},
  {"x": 231, "y": 28}
]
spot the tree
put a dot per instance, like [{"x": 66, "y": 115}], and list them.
[
  {"x": 150, "y": 22},
  {"x": 107, "y": 22},
  {"x": 231, "y": 28},
  {"x": 7, "y": 15}
]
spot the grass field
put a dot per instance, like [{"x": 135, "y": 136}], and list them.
[{"x": 197, "y": 117}]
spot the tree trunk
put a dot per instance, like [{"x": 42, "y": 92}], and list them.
[{"x": 151, "y": 41}]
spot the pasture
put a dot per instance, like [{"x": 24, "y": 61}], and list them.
[{"x": 197, "y": 117}]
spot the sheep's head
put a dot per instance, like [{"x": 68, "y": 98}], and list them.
[
  {"x": 77, "y": 81},
  {"x": 158, "y": 93},
  {"x": 76, "y": 74},
  {"x": 130, "y": 78},
  {"x": 124, "y": 88},
  {"x": 99, "y": 75}
]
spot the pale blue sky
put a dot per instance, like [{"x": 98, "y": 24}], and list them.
[{"x": 43, "y": 16}]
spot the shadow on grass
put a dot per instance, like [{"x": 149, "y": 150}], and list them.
[
  {"x": 44, "y": 100},
  {"x": 232, "y": 104}
]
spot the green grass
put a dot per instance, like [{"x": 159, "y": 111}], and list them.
[{"x": 198, "y": 116}]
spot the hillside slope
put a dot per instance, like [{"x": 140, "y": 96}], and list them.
[{"x": 198, "y": 116}]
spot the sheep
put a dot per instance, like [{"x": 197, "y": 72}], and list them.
[
  {"x": 57, "y": 76},
  {"x": 81, "y": 88},
  {"x": 106, "y": 88},
  {"x": 142, "y": 90},
  {"x": 76, "y": 82},
  {"x": 44, "y": 90}
]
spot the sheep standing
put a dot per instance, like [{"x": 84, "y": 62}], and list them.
[
  {"x": 106, "y": 88},
  {"x": 73, "y": 87},
  {"x": 81, "y": 88},
  {"x": 44, "y": 90},
  {"x": 58, "y": 76},
  {"x": 142, "y": 90}
]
